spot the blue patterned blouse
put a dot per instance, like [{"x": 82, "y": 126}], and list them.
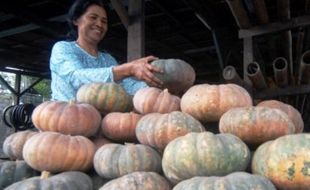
[{"x": 71, "y": 67}]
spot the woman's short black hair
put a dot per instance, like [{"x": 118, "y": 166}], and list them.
[{"x": 77, "y": 9}]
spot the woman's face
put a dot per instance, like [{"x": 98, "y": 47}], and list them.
[{"x": 92, "y": 25}]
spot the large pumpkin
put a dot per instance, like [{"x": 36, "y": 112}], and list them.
[
  {"x": 14, "y": 143},
  {"x": 292, "y": 113},
  {"x": 177, "y": 76},
  {"x": 67, "y": 118},
  {"x": 151, "y": 99},
  {"x": 63, "y": 181},
  {"x": 120, "y": 126},
  {"x": 55, "y": 152},
  {"x": 138, "y": 181},
  {"x": 256, "y": 125},
  {"x": 157, "y": 130},
  {"x": 208, "y": 103},
  {"x": 14, "y": 171},
  {"x": 106, "y": 97},
  {"x": 204, "y": 154},
  {"x": 236, "y": 180},
  {"x": 285, "y": 161},
  {"x": 115, "y": 160}
]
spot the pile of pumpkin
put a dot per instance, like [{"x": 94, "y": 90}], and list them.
[{"x": 160, "y": 140}]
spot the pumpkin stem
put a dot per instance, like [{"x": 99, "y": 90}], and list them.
[
  {"x": 72, "y": 102},
  {"x": 45, "y": 175}
]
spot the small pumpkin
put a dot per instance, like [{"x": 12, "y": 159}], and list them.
[
  {"x": 292, "y": 113},
  {"x": 285, "y": 161},
  {"x": 157, "y": 130},
  {"x": 67, "y": 118},
  {"x": 208, "y": 103},
  {"x": 177, "y": 76},
  {"x": 120, "y": 127},
  {"x": 105, "y": 97},
  {"x": 256, "y": 125},
  {"x": 64, "y": 181},
  {"x": 138, "y": 180},
  {"x": 14, "y": 171},
  {"x": 235, "y": 180},
  {"x": 204, "y": 154},
  {"x": 115, "y": 160},
  {"x": 151, "y": 99},
  {"x": 14, "y": 143},
  {"x": 55, "y": 152}
]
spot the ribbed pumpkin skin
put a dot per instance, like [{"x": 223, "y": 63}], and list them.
[
  {"x": 256, "y": 125},
  {"x": 14, "y": 143},
  {"x": 64, "y": 181},
  {"x": 177, "y": 76},
  {"x": 14, "y": 171},
  {"x": 292, "y": 113},
  {"x": 115, "y": 160},
  {"x": 138, "y": 181},
  {"x": 157, "y": 130},
  {"x": 120, "y": 126},
  {"x": 151, "y": 99},
  {"x": 67, "y": 118},
  {"x": 55, "y": 152},
  {"x": 106, "y": 97},
  {"x": 285, "y": 161},
  {"x": 204, "y": 154},
  {"x": 208, "y": 103},
  {"x": 236, "y": 180}
]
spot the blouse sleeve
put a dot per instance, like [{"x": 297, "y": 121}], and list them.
[{"x": 67, "y": 64}]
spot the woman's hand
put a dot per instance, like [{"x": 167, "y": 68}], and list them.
[{"x": 141, "y": 69}]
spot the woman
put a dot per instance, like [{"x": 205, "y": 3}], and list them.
[{"x": 74, "y": 63}]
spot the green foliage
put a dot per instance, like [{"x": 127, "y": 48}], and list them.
[{"x": 44, "y": 88}]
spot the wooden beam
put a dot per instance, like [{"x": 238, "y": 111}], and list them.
[
  {"x": 239, "y": 13},
  {"x": 275, "y": 27},
  {"x": 121, "y": 11},
  {"x": 136, "y": 28},
  {"x": 270, "y": 93}
]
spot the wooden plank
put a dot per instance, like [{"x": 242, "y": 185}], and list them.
[
  {"x": 275, "y": 27},
  {"x": 121, "y": 11},
  {"x": 287, "y": 91},
  {"x": 136, "y": 28}
]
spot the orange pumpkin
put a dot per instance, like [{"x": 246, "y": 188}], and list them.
[
  {"x": 292, "y": 113},
  {"x": 256, "y": 125},
  {"x": 120, "y": 126},
  {"x": 55, "y": 152},
  {"x": 151, "y": 99},
  {"x": 157, "y": 130},
  {"x": 67, "y": 118},
  {"x": 208, "y": 103}
]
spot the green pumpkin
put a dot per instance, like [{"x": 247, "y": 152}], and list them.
[
  {"x": 138, "y": 181},
  {"x": 14, "y": 171},
  {"x": 64, "y": 181},
  {"x": 177, "y": 76},
  {"x": 285, "y": 161},
  {"x": 204, "y": 154},
  {"x": 236, "y": 180},
  {"x": 106, "y": 97}
]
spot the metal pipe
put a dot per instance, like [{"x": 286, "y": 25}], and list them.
[
  {"x": 280, "y": 71},
  {"x": 254, "y": 73},
  {"x": 304, "y": 71},
  {"x": 231, "y": 76}
]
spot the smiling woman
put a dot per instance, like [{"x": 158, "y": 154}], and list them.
[{"x": 78, "y": 61}]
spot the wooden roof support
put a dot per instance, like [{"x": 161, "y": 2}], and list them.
[
  {"x": 239, "y": 13},
  {"x": 121, "y": 11},
  {"x": 275, "y": 27},
  {"x": 136, "y": 28}
]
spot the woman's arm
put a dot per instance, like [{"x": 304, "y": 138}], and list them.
[{"x": 139, "y": 68}]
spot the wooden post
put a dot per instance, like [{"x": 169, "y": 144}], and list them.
[{"x": 135, "y": 46}]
